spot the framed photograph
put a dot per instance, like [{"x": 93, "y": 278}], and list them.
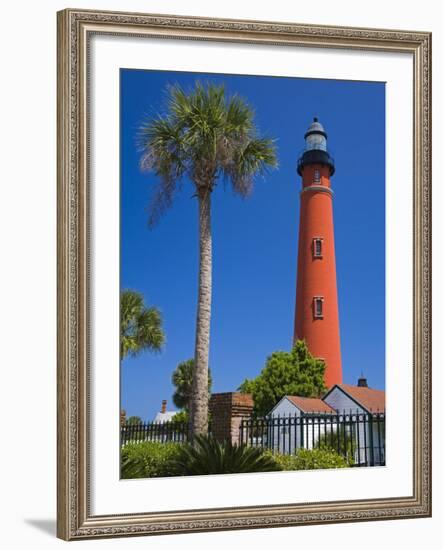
[{"x": 244, "y": 293}]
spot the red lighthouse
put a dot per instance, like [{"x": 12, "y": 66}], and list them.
[{"x": 316, "y": 312}]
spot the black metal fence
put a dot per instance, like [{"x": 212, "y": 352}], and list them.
[
  {"x": 160, "y": 432},
  {"x": 360, "y": 437}
]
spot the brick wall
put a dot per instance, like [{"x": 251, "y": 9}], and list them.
[
  {"x": 122, "y": 417},
  {"x": 227, "y": 411}
]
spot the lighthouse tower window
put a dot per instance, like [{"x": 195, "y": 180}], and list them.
[
  {"x": 317, "y": 178},
  {"x": 317, "y": 247},
  {"x": 318, "y": 307}
]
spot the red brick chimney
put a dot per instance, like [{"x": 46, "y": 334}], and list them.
[{"x": 164, "y": 403}]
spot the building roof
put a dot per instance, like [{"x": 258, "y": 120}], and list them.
[
  {"x": 369, "y": 399},
  {"x": 310, "y": 404},
  {"x": 164, "y": 416}
]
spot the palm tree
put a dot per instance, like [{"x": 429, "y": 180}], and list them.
[
  {"x": 209, "y": 456},
  {"x": 203, "y": 136},
  {"x": 140, "y": 326},
  {"x": 182, "y": 379}
]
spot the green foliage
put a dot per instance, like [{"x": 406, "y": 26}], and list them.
[
  {"x": 208, "y": 456},
  {"x": 140, "y": 326},
  {"x": 149, "y": 459},
  {"x": 182, "y": 380},
  {"x": 181, "y": 417},
  {"x": 286, "y": 373},
  {"x": 132, "y": 420},
  {"x": 204, "y": 135},
  {"x": 310, "y": 459},
  {"x": 339, "y": 442}
]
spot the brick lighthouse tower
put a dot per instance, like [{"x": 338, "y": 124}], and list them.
[{"x": 316, "y": 313}]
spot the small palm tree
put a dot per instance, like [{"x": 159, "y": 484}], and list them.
[
  {"x": 208, "y": 456},
  {"x": 182, "y": 380},
  {"x": 204, "y": 136},
  {"x": 140, "y": 326}
]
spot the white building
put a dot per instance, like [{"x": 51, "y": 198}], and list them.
[
  {"x": 351, "y": 417},
  {"x": 365, "y": 408},
  {"x": 299, "y": 422},
  {"x": 164, "y": 415}
]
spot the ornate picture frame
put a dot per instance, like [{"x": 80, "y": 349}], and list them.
[{"x": 75, "y": 517}]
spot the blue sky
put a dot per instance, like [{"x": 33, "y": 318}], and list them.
[{"x": 255, "y": 240}]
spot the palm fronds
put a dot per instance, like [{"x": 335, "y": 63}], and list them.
[
  {"x": 207, "y": 456},
  {"x": 140, "y": 326},
  {"x": 182, "y": 379},
  {"x": 203, "y": 135}
]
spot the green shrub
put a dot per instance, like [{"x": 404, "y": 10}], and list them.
[
  {"x": 148, "y": 459},
  {"x": 339, "y": 442},
  {"x": 310, "y": 459},
  {"x": 181, "y": 417},
  {"x": 208, "y": 456}
]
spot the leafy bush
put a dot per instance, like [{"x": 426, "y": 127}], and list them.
[
  {"x": 148, "y": 459},
  {"x": 133, "y": 421},
  {"x": 208, "y": 456},
  {"x": 339, "y": 442},
  {"x": 181, "y": 417},
  {"x": 310, "y": 459}
]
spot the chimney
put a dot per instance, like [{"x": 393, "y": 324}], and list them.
[
  {"x": 362, "y": 382},
  {"x": 164, "y": 403}
]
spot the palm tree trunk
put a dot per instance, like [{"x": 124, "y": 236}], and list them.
[{"x": 199, "y": 406}]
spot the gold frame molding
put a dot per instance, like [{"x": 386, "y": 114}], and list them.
[{"x": 75, "y": 27}]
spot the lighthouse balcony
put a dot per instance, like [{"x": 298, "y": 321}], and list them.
[{"x": 315, "y": 156}]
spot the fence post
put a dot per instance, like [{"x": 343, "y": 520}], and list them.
[
  {"x": 371, "y": 440},
  {"x": 381, "y": 419}
]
